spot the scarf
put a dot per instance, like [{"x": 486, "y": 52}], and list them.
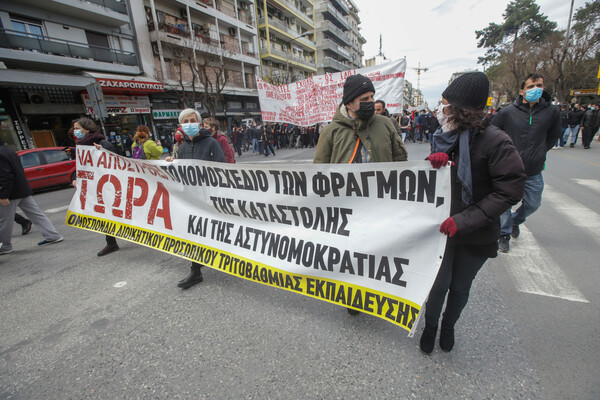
[
  {"x": 445, "y": 141},
  {"x": 90, "y": 138}
]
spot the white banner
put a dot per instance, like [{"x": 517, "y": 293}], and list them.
[
  {"x": 315, "y": 99},
  {"x": 364, "y": 236}
]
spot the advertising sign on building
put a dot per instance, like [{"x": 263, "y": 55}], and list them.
[{"x": 121, "y": 104}]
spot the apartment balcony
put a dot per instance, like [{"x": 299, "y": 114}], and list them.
[
  {"x": 105, "y": 12},
  {"x": 332, "y": 46},
  {"x": 328, "y": 26},
  {"x": 20, "y": 49},
  {"x": 307, "y": 63},
  {"x": 306, "y": 15},
  {"x": 293, "y": 34},
  {"x": 328, "y": 9},
  {"x": 342, "y": 5},
  {"x": 332, "y": 63},
  {"x": 179, "y": 36}
]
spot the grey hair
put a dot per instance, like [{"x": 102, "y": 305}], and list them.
[{"x": 187, "y": 112}]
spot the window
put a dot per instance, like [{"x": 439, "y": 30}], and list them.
[
  {"x": 26, "y": 25},
  {"x": 30, "y": 160},
  {"x": 54, "y": 156}
]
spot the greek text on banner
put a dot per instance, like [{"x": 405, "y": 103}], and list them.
[{"x": 364, "y": 236}]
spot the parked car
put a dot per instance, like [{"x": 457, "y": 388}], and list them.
[{"x": 48, "y": 166}]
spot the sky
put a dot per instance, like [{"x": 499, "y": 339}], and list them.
[{"x": 438, "y": 34}]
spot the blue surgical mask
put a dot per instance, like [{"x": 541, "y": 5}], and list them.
[
  {"x": 191, "y": 129},
  {"x": 78, "y": 134},
  {"x": 533, "y": 95}
]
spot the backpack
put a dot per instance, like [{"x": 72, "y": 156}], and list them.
[{"x": 138, "y": 152}]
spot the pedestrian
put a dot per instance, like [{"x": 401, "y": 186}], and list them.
[
  {"x": 255, "y": 135},
  {"x": 143, "y": 147},
  {"x": 268, "y": 140},
  {"x": 24, "y": 222},
  {"x": 574, "y": 124},
  {"x": 16, "y": 192},
  {"x": 589, "y": 125},
  {"x": 198, "y": 144},
  {"x": 564, "y": 125},
  {"x": 487, "y": 177},
  {"x": 356, "y": 134},
  {"x": 533, "y": 124},
  {"x": 381, "y": 110},
  {"x": 405, "y": 127},
  {"x": 88, "y": 134},
  {"x": 213, "y": 126},
  {"x": 178, "y": 139}
]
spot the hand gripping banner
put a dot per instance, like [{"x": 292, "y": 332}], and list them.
[
  {"x": 363, "y": 236},
  {"x": 315, "y": 99}
]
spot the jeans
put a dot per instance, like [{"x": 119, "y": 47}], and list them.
[
  {"x": 532, "y": 200},
  {"x": 254, "y": 145},
  {"x": 573, "y": 132},
  {"x": 457, "y": 272}
]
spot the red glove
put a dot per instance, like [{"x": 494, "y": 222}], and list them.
[
  {"x": 448, "y": 227},
  {"x": 438, "y": 160}
]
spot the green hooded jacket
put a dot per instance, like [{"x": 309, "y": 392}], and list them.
[{"x": 337, "y": 141}]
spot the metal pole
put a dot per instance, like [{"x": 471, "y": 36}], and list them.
[{"x": 569, "y": 25}]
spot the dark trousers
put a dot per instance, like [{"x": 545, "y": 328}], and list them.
[
  {"x": 455, "y": 277},
  {"x": 21, "y": 220},
  {"x": 588, "y": 135}
]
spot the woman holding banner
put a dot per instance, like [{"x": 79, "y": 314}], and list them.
[
  {"x": 488, "y": 177},
  {"x": 197, "y": 144}
]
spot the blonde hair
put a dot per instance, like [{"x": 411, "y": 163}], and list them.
[{"x": 187, "y": 112}]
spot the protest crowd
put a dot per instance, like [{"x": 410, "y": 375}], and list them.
[{"x": 496, "y": 161}]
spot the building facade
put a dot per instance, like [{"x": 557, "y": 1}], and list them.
[
  {"x": 52, "y": 52},
  {"x": 206, "y": 55},
  {"x": 333, "y": 36},
  {"x": 356, "y": 39},
  {"x": 286, "y": 36}
]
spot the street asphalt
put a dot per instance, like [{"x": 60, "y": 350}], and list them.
[{"x": 76, "y": 326}]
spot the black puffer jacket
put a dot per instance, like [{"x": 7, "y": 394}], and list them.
[
  {"x": 498, "y": 182},
  {"x": 13, "y": 183},
  {"x": 533, "y": 130},
  {"x": 202, "y": 147}
]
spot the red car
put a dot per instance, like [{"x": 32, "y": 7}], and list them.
[{"x": 48, "y": 166}]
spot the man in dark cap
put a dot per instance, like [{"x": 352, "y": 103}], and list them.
[
  {"x": 16, "y": 192},
  {"x": 357, "y": 134},
  {"x": 533, "y": 124},
  {"x": 360, "y": 134}
]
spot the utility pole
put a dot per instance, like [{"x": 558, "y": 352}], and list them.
[{"x": 419, "y": 69}]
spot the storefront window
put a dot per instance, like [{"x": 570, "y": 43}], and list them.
[{"x": 9, "y": 134}]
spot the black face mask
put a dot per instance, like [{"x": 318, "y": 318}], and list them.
[{"x": 366, "y": 110}]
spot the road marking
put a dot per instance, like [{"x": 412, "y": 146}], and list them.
[
  {"x": 585, "y": 161},
  {"x": 55, "y": 210},
  {"x": 120, "y": 284},
  {"x": 593, "y": 184},
  {"x": 575, "y": 212},
  {"x": 534, "y": 271}
]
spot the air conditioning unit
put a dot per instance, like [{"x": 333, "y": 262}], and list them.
[
  {"x": 232, "y": 32},
  {"x": 38, "y": 97}
]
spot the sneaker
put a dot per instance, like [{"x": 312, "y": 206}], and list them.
[
  {"x": 504, "y": 244},
  {"x": 515, "y": 231},
  {"x": 26, "y": 227},
  {"x": 572, "y": 145},
  {"x": 3, "y": 252},
  {"x": 47, "y": 242}
]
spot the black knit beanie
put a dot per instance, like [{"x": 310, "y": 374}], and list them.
[
  {"x": 469, "y": 90},
  {"x": 356, "y": 85}
]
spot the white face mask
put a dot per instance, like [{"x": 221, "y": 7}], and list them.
[{"x": 441, "y": 117}]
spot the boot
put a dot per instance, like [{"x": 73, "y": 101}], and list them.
[
  {"x": 194, "y": 277},
  {"x": 428, "y": 339},
  {"x": 352, "y": 311},
  {"x": 109, "y": 248},
  {"x": 447, "y": 338}
]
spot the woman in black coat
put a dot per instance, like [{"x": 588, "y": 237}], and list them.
[
  {"x": 88, "y": 134},
  {"x": 488, "y": 177}
]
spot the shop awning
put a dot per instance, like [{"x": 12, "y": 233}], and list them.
[
  {"x": 17, "y": 77},
  {"x": 126, "y": 84}
]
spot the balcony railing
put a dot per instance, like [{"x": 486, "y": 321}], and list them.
[
  {"x": 290, "y": 57},
  {"x": 48, "y": 45},
  {"x": 292, "y": 6},
  {"x": 329, "y": 26},
  {"x": 115, "y": 5},
  {"x": 329, "y": 62},
  {"x": 184, "y": 32}
]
